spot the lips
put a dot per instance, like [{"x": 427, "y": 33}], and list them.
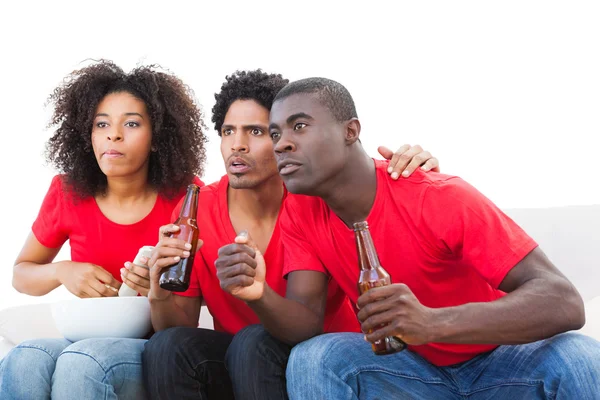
[
  {"x": 238, "y": 165},
  {"x": 287, "y": 167},
  {"x": 111, "y": 153}
]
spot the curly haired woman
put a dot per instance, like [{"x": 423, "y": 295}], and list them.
[{"x": 127, "y": 145}]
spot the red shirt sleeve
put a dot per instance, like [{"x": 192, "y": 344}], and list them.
[
  {"x": 298, "y": 253},
  {"x": 466, "y": 224},
  {"x": 49, "y": 226}
]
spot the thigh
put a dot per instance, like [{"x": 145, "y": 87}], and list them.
[
  {"x": 26, "y": 371},
  {"x": 90, "y": 367},
  {"x": 343, "y": 365},
  {"x": 181, "y": 363},
  {"x": 564, "y": 366}
]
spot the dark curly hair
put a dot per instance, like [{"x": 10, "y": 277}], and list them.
[
  {"x": 177, "y": 126},
  {"x": 246, "y": 85}
]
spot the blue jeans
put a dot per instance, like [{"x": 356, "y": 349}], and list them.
[
  {"x": 343, "y": 366},
  {"x": 89, "y": 369}
]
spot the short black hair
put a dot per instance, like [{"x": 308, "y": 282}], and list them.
[
  {"x": 177, "y": 126},
  {"x": 332, "y": 94},
  {"x": 246, "y": 85}
]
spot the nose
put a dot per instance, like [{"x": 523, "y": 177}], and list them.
[
  {"x": 240, "y": 143},
  {"x": 115, "y": 134},
  {"x": 284, "y": 144}
]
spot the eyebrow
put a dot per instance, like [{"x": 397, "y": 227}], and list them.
[
  {"x": 246, "y": 127},
  {"x": 292, "y": 118},
  {"x": 128, "y": 114}
]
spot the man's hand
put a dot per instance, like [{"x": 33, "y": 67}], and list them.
[
  {"x": 87, "y": 280},
  {"x": 241, "y": 269},
  {"x": 396, "y": 307},
  {"x": 168, "y": 251},
  {"x": 407, "y": 159}
]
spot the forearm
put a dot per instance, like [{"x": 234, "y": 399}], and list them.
[
  {"x": 168, "y": 314},
  {"x": 36, "y": 279},
  {"x": 288, "y": 320},
  {"x": 536, "y": 310}
]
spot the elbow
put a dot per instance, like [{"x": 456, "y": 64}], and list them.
[{"x": 574, "y": 309}]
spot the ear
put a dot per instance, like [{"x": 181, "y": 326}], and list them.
[{"x": 352, "y": 131}]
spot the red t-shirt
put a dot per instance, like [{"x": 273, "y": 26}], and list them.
[
  {"x": 93, "y": 237},
  {"x": 230, "y": 314},
  {"x": 435, "y": 233}
]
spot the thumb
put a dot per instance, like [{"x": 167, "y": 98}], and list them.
[
  {"x": 385, "y": 152},
  {"x": 244, "y": 238},
  {"x": 260, "y": 266}
]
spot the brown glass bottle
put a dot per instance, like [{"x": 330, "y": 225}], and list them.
[
  {"x": 372, "y": 275},
  {"x": 176, "y": 278}
]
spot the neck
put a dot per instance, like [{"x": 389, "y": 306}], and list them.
[
  {"x": 128, "y": 189},
  {"x": 260, "y": 203},
  {"x": 351, "y": 193}
]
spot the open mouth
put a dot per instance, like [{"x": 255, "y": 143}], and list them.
[{"x": 238, "y": 166}]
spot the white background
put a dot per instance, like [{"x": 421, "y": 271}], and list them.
[{"x": 506, "y": 94}]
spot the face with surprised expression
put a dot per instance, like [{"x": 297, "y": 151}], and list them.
[{"x": 246, "y": 147}]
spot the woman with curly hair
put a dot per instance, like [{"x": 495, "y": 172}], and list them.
[{"x": 127, "y": 145}]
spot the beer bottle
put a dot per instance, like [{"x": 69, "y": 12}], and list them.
[
  {"x": 176, "y": 278},
  {"x": 373, "y": 275}
]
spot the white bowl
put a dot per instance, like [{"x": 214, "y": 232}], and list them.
[{"x": 120, "y": 317}]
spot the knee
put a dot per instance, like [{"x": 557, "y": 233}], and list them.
[
  {"x": 250, "y": 344},
  {"x": 576, "y": 353},
  {"x": 38, "y": 353},
  {"x": 165, "y": 345},
  {"x": 325, "y": 352}
]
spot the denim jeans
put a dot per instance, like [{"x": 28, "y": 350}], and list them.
[
  {"x": 192, "y": 363},
  {"x": 58, "y": 369},
  {"x": 257, "y": 362},
  {"x": 187, "y": 363},
  {"x": 343, "y": 366}
]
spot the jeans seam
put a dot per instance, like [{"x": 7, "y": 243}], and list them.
[
  {"x": 401, "y": 375},
  {"x": 42, "y": 349},
  {"x": 531, "y": 383},
  {"x": 106, "y": 371}
]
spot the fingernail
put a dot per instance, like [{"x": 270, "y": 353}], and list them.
[
  {"x": 123, "y": 271},
  {"x": 424, "y": 167},
  {"x": 365, "y": 337},
  {"x": 405, "y": 174},
  {"x": 126, "y": 263},
  {"x": 177, "y": 258},
  {"x": 244, "y": 234},
  {"x": 395, "y": 175},
  {"x": 390, "y": 169},
  {"x": 186, "y": 253},
  {"x": 144, "y": 259},
  {"x": 188, "y": 246},
  {"x": 129, "y": 266}
]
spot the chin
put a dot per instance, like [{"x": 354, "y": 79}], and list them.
[
  {"x": 241, "y": 182},
  {"x": 297, "y": 186}
]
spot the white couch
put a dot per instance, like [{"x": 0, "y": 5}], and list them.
[{"x": 570, "y": 236}]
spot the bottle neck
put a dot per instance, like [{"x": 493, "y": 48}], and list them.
[
  {"x": 190, "y": 203},
  {"x": 368, "y": 258}
]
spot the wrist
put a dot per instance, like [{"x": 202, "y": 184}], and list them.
[
  {"x": 164, "y": 298},
  {"x": 262, "y": 298},
  {"x": 438, "y": 326},
  {"x": 59, "y": 271}
]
